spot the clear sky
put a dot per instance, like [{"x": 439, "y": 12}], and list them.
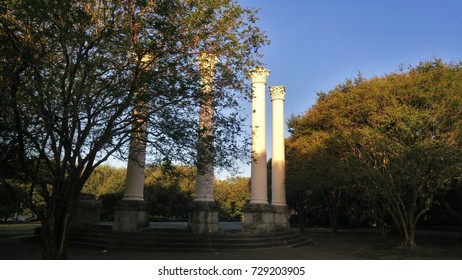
[{"x": 317, "y": 44}]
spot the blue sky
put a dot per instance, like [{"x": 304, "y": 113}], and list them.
[{"x": 317, "y": 44}]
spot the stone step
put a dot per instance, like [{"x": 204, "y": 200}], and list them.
[
  {"x": 103, "y": 238},
  {"x": 183, "y": 234},
  {"x": 189, "y": 235}
]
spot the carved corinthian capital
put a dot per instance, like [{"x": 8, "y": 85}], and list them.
[
  {"x": 259, "y": 74},
  {"x": 207, "y": 62},
  {"x": 207, "y": 65},
  {"x": 277, "y": 92}
]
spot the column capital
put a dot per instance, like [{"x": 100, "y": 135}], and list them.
[
  {"x": 277, "y": 92},
  {"x": 207, "y": 61},
  {"x": 207, "y": 67},
  {"x": 259, "y": 74}
]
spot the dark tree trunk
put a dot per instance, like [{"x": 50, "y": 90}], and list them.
[
  {"x": 55, "y": 234},
  {"x": 301, "y": 220},
  {"x": 381, "y": 215},
  {"x": 406, "y": 227},
  {"x": 333, "y": 218},
  {"x": 333, "y": 202},
  {"x": 56, "y": 226}
]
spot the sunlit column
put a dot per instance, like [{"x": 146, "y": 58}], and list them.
[
  {"x": 278, "y": 153},
  {"x": 134, "y": 187},
  {"x": 205, "y": 153},
  {"x": 131, "y": 213},
  {"x": 259, "y": 193}
]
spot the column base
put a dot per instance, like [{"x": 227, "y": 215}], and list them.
[
  {"x": 130, "y": 215},
  {"x": 258, "y": 217},
  {"x": 203, "y": 217},
  {"x": 281, "y": 217}
]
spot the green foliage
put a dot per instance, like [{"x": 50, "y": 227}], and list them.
[
  {"x": 169, "y": 191},
  {"x": 231, "y": 195},
  {"x": 105, "y": 180},
  {"x": 70, "y": 73},
  {"x": 396, "y": 139}
]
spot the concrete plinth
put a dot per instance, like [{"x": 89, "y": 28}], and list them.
[
  {"x": 281, "y": 218},
  {"x": 258, "y": 217},
  {"x": 203, "y": 217},
  {"x": 87, "y": 211},
  {"x": 130, "y": 215}
]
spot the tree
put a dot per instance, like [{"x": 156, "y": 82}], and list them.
[
  {"x": 10, "y": 202},
  {"x": 452, "y": 203},
  {"x": 231, "y": 195},
  {"x": 73, "y": 70},
  {"x": 169, "y": 190},
  {"x": 398, "y": 139},
  {"x": 315, "y": 171},
  {"x": 105, "y": 180}
]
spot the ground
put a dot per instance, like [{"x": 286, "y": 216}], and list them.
[{"x": 348, "y": 244}]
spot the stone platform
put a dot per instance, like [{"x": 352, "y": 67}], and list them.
[{"x": 176, "y": 236}]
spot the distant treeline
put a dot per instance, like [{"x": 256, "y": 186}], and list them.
[{"x": 168, "y": 190}]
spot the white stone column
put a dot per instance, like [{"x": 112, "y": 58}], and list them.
[
  {"x": 205, "y": 153},
  {"x": 278, "y": 150},
  {"x": 204, "y": 213},
  {"x": 134, "y": 186},
  {"x": 132, "y": 213},
  {"x": 259, "y": 193}
]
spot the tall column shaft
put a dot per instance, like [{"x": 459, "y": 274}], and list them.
[
  {"x": 205, "y": 152},
  {"x": 259, "y": 193},
  {"x": 132, "y": 213},
  {"x": 278, "y": 151},
  {"x": 134, "y": 187}
]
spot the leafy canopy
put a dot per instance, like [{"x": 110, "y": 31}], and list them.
[{"x": 397, "y": 139}]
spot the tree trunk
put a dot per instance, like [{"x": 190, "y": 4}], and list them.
[
  {"x": 55, "y": 236},
  {"x": 333, "y": 217},
  {"x": 56, "y": 227},
  {"x": 407, "y": 232},
  {"x": 409, "y": 240},
  {"x": 460, "y": 221},
  {"x": 301, "y": 221},
  {"x": 460, "y": 211},
  {"x": 381, "y": 220}
]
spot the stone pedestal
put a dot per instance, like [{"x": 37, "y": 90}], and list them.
[
  {"x": 131, "y": 215},
  {"x": 258, "y": 217},
  {"x": 87, "y": 211},
  {"x": 281, "y": 218},
  {"x": 203, "y": 217}
]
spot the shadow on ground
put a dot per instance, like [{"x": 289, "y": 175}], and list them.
[{"x": 357, "y": 244}]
